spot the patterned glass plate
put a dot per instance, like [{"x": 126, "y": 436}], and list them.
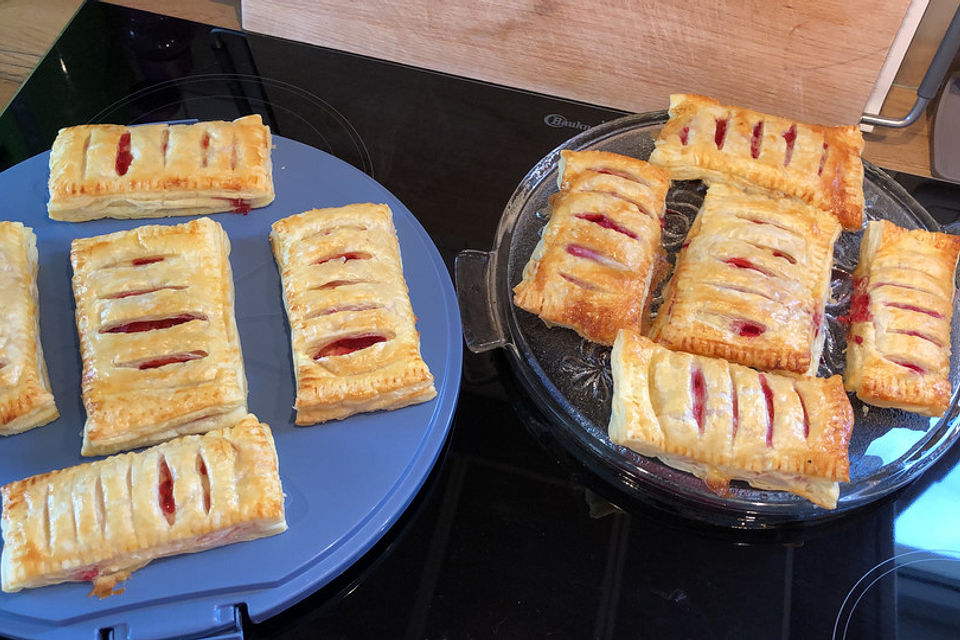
[{"x": 569, "y": 378}]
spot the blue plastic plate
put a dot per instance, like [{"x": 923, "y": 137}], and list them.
[{"x": 346, "y": 482}]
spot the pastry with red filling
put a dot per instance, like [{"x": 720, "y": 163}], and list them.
[
  {"x": 353, "y": 332},
  {"x": 819, "y": 165},
  {"x": 751, "y": 282},
  {"x": 150, "y": 171},
  {"x": 594, "y": 266},
  {"x": 102, "y": 520},
  {"x": 723, "y": 421},
  {"x": 898, "y": 344},
  {"x": 159, "y": 343},
  {"x": 26, "y": 399}
]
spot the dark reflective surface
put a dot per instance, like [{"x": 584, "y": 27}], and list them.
[{"x": 510, "y": 537}]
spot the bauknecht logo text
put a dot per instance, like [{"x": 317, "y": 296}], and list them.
[{"x": 556, "y": 120}]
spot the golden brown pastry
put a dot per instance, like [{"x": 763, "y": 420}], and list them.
[
  {"x": 112, "y": 171},
  {"x": 353, "y": 332},
  {"x": 26, "y": 399},
  {"x": 593, "y": 267},
  {"x": 161, "y": 353},
  {"x": 102, "y": 520},
  {"x": 718, "y": 143},
  {"x": 898, "y": 344},
  {"x": 722, "y": 421},
  {"x": 751, "y": 282}
]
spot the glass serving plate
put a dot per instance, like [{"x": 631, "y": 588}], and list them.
[{"x": 569, "y": 378}]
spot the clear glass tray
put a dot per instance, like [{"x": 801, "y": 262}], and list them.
[{"x": 569, "y": 378}]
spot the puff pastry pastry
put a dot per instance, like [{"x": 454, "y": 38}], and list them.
[
  {"x": 102, "y": 520},
  {"x": 751, "y": 282},
  {"x": 594, "y": 265},
  {"x": 898, "y": 344},
  {"x": 722, "y": 421},
  {"x": 161, "y": 353},
  {"x": 718, "y": 143},
  {"x": 26, "y": 400},
  {"x": 353, "y": 334},
  {"x": 111, "y": 171}
]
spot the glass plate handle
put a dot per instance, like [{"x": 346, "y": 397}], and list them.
[{"x": 478, "y": 308}]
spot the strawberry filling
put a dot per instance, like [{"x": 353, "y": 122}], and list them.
[
  {"x": 345, "y": 346},
  {"x": 581, "y": 251},
  {"x": 606, "y": 223},
  {"x": 859, "y": 303},
  {"x": 816, "y": 320},
  {"x": 124, "y": 157},
  {"x": 684, "y": 135},
  {"x": 698, "y": 388},
  {"x": 138, "y": 326},
  {"x": 239, "y": 205},
  {"x": 348, "y": 307},
  {"x": 743, "y": 263},
  {"x": 756, "y": 140},
  {"x": 168, "y": 504},
  {"x": 917, "y": 334},
  {"x": 736, "y": 412},
  {"x": 785, "y": 256},
  {"x": 88, "y": 574},
  {"x": 139, "y": 262},
  {"x": 583, "y": 284},
  {"x": 175, "y": 358},
  {"x": 768, "y": 397},
  {"x": 204, "y": 147},
  {"x": 909, "y": 365},
  {"x": 614, "y": 172},
  {"x": 910, "y": 307},
  {"x": 747, "y": 328},
  {"x": 141, "y": 292},
  {"x": 204, "y": 482},
  {"x": 858, "y": 339},
  {"x": 823, "y": 159},
  {"x": 790, "y": 137},
  {"x": 720, "y": 134}
]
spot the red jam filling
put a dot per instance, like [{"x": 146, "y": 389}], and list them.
[
  {"x": 747, "y": 329},
  {"x": 124, "y": 157},
  {"x": 204, "y": 482},
  {"x": 756, "y": 140},
  {"x": 349, "y": 307},
  {"x": 344, "y": 346},
  {"x": 89, "y": 574},
  {"x": 817, "y": 320},
  {"x": 823, "y": 159},
  {"x": 858, "y": 339},
  {"x": 606, "y": 223},
  {"x": 790, "y": 137},
  {"x": 168, "y": 504},
  {"x": 859, "y": 303},
  {"x": 138, "y": 326},
  {"x": 909, "y": 365},
  {"x": 698, "y": 388},
  {"x": 720, "y": 135},
  {"x": 580, "y": 251},
  {"x": 583, "y": 284},
  {"x": 785, "y": 256},
  {"x": 684, "y": 135},
  {"x": 910, "y": 307},
  {"x": 204, "y": 146},
  {"x": 139, "y": 262},
  {"x": 806, "y": 416},
  {"x": 768, "y": 396},
  {"x": 172, "y": 359},
  {"x": 345, "y": 257},
  {"x": 743, "y": 263},
  {"x": 619, "y": 174},
  {"x": 239, "y": 205}
]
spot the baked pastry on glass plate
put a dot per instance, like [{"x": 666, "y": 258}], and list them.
[
  {"x": 160, "y": 348},
  {"x": 102, "y": 520},
  {"x": 898, "y": 343},
  {"x": 751, "y": 282},
  {"x": 112, "y": 171},
  {"x": 353, "y": 333},
  {"x": 723, "y": 421},
  {"x": 595, "y": 263},
  {"x": 820, "y": 165},
  {"x": 26, "y": 399}
]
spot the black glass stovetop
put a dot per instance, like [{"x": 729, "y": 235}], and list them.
[{"x": 509, "y": 537}]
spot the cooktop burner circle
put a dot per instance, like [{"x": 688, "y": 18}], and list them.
[{"x": 291, "y": 111}]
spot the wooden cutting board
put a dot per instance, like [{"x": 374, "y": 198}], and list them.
[{"x": 814, "y": 60}]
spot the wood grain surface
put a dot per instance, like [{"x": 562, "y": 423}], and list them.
[{"x": 814, "y": 61}]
